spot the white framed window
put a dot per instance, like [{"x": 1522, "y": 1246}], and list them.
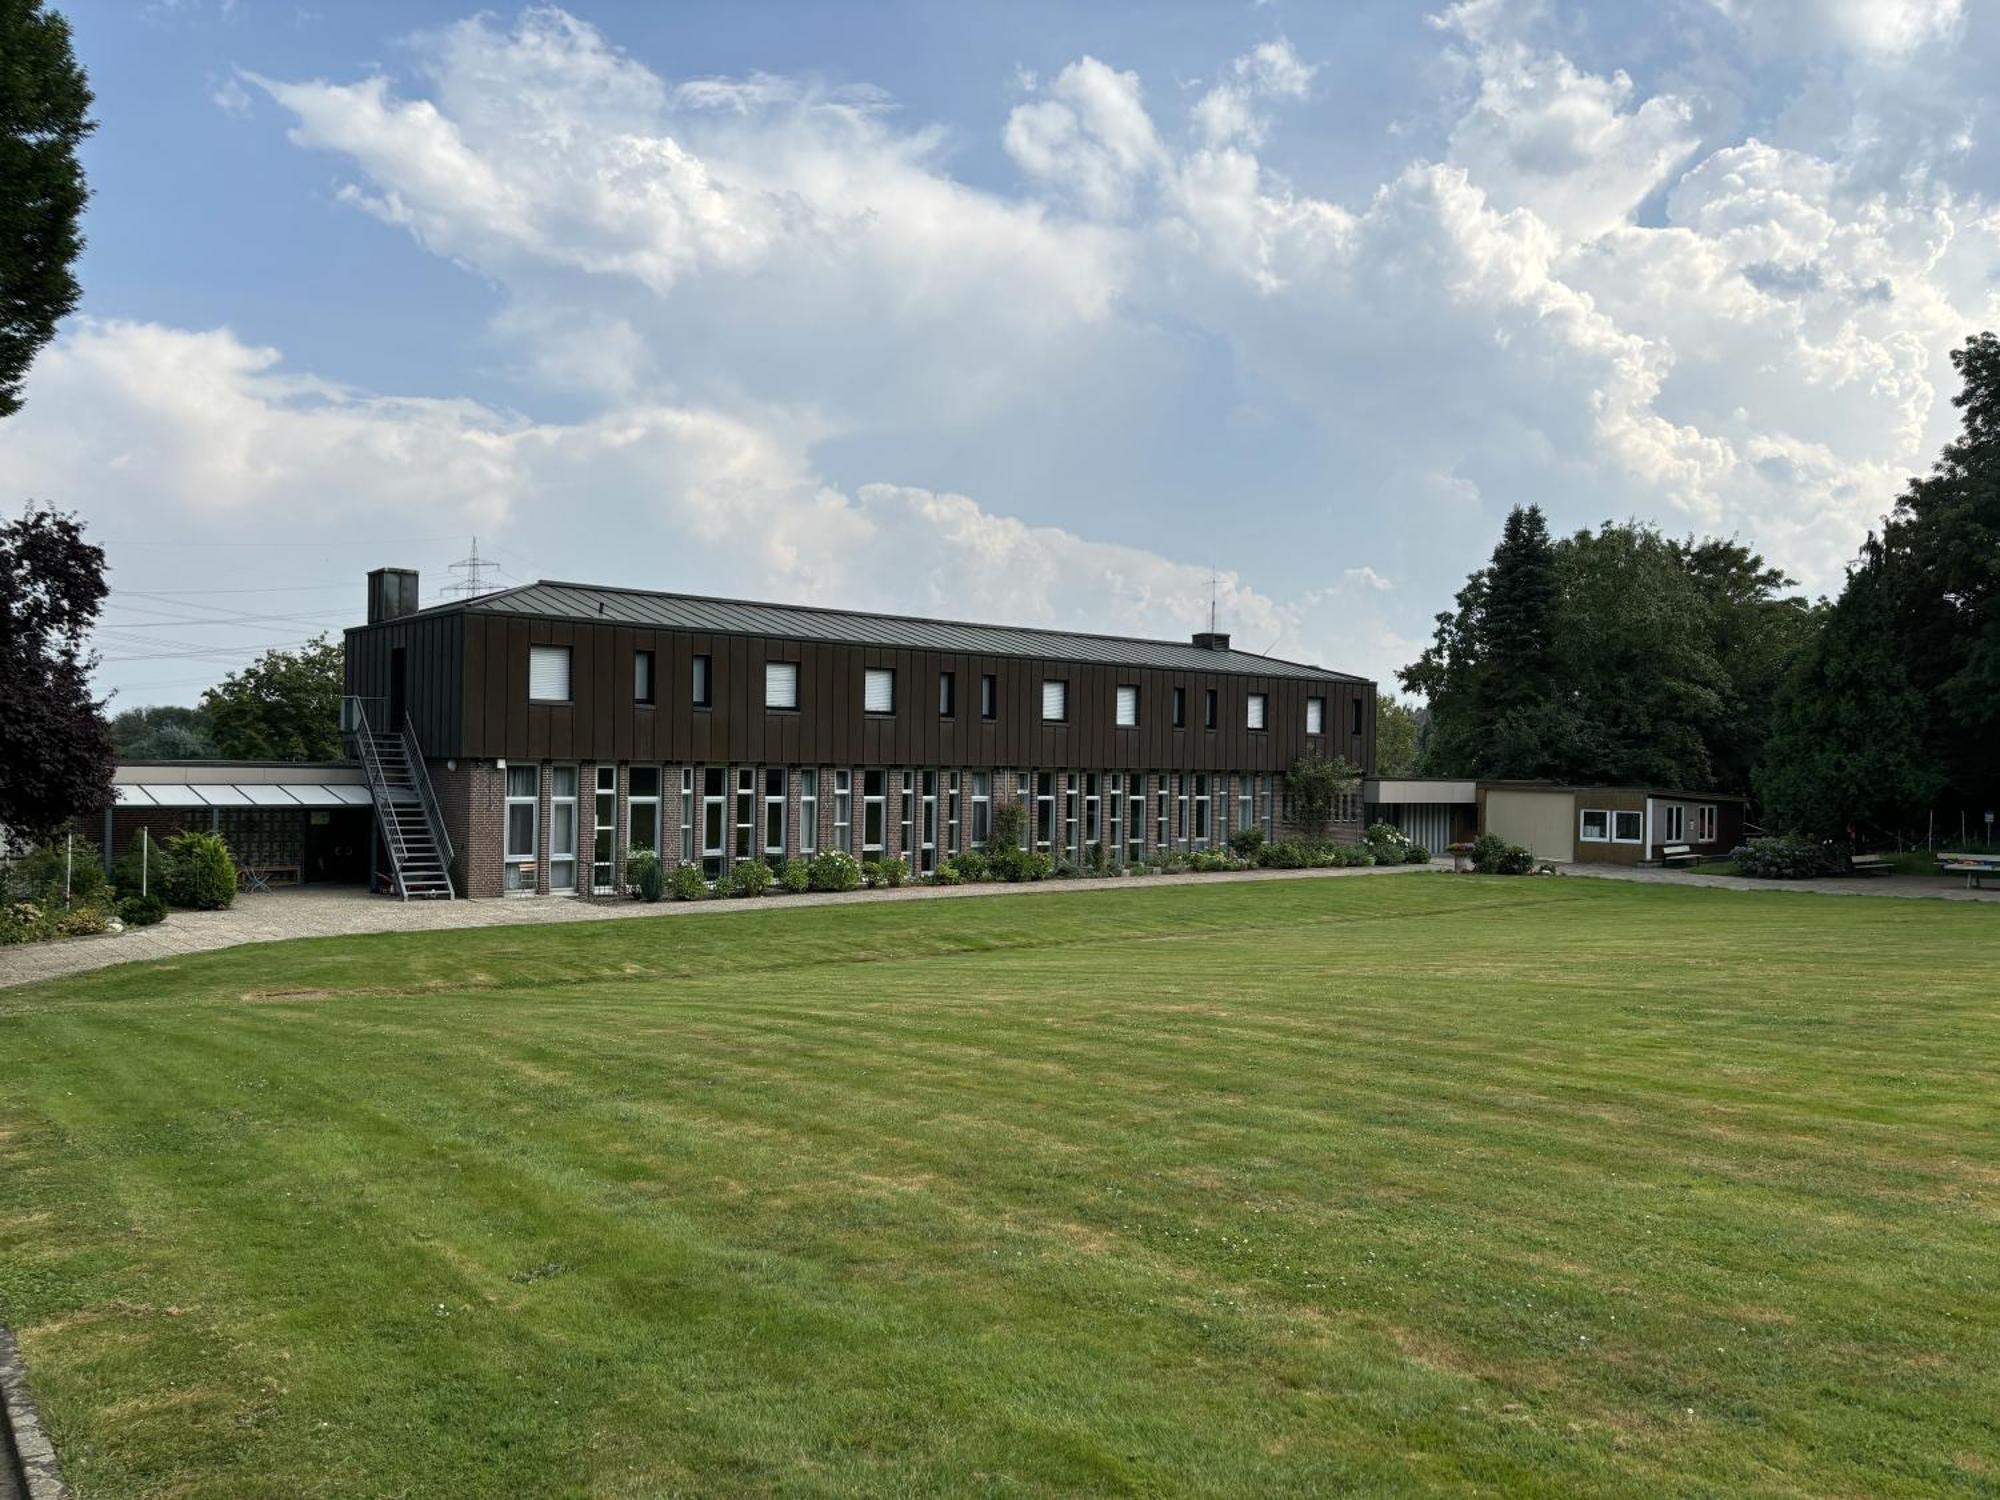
[
  {"x": 1315, "y": 716},
  {"x": 1254, "y": 714},
  {"x": 523, "y": 827},
  {"x": 1135, "y": 820},
  {"x": 1181, "y": 809},
  {"x": 687, "y": 812},
  {"x": 1594, "y": 826},
  {"x": 642, "y": 809},
  {"x": 1160, "y": 839},
  {"x": 1114, "y": 821},
  {"x": 953, "y": 808},
  {"x": 874, "y": 800},
  {"x": 1055, "y": 701},
  {"x": 548, "y": 674},
  {"x": 562, "y": 828},
  {"x": 1128, "y": 707},
  {"x": 906, "y": 811},
  {"x": 1704, "y": 823},
  {"x": 746, "y": 811},
  {"x": 1627, "y": 827},
  {"x": 603, "y": 828},
  {"x": 1675, "y": 820},
  {"x": 843, "y": 811},
  {"x": 1093, "y": 810},
  {"x": 809, "y": 811},
  {"x": 878, "y": 692},
  {"x": 774, "y": 816},
  {"x": 1201, "y": 810},
  {"x": 1069, "y": 815},
  {"x": 927, "y": 825},
  {"x": 714, "y": 819},
  {"x": 1045, "y": 810},
  {"x": 781, "y": 684},
  {"x": 982, "y": 808}
]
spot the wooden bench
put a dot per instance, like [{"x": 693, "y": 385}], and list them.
[
  {"x": 1676, "y": 854},
  {"x": 1871, "y": 864}
]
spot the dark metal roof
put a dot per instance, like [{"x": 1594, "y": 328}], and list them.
[{"x": 547, "y": 599}]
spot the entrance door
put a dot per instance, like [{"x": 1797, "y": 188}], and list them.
[{"x": 336, "y": 845}]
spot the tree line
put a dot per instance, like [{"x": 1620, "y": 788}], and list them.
[{"x": 1623, "y": 656}]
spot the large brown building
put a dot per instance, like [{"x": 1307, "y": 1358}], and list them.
[{"x": 529, "y": 739}]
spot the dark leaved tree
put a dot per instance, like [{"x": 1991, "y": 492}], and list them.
[
  {"x": 55, "y": 755},
  {"x": 283, "y": 706},
  {"x": 44, "y": 116},
  {"x": 165, "y": 732}
]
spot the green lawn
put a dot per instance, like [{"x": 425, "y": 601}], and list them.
[{"x": 1426, "y": 1184}]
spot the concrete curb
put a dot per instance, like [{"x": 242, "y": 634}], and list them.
[{"x": 27, "y": 1449}]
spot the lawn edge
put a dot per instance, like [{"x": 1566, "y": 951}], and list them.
[{"x": 27, "y": 1449}]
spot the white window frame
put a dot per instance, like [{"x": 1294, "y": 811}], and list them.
[
  {"x": 687, "y": 813},
  {"x": 562, "y": 862},
  {"x": 774, "y": 853},
  {"x": 874, "y": 805},
  {"x": 745, "y": 845},
  {"x": 953, "y": 807},
  {"x": 927, "y": 823},
  {"x": 878, "y": 690},
  {"x": 843, "y": 811},
  {"x": 1128, "y": 706},
  {"x": 982, "y": 808},
  {"x": 520, "y": 862},
  {"x": 1315, "y": 716},
  {"x": 1071, "y": 829},
  {"x": 1256, "y": 710},
  {"x": 1055, "y": 695},
  {"x": 1704, "y": 823},
  {"x": 643, "y": 806},
  {"x": 548, "y": 670},
  {"x": 1201, "y": 809},
  {"x": 603, "y": 795},
  {"x": 1638, "y": 837},
  {"x": 714, "y": 820},
  {"x": 1044, "y": 831},
  {"x": 781, "y": 686},
  {"x": 1603, "y": 834},
  {"x": 808, "y": 811},
  {"x": 907, "y": 810},
  {"x": 1675, "y": 831}
]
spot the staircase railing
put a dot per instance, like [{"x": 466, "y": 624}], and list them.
[
  {"x": 354, "y": 719},
  {"x": 420, "y": 773}
]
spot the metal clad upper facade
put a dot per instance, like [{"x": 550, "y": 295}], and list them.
[{"x": 476, "y": 655}]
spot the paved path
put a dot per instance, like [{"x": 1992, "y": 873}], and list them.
[
  {"x": 337, "y": 911},
  {"x": 1919, "y": 887}
]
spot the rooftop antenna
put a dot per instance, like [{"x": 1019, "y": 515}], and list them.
[
  {"x": 1211, "y": 600},
  {"x": 473, "y": 582}
]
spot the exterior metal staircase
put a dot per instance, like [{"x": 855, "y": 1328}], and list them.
[{"x": 406, "y": 806}]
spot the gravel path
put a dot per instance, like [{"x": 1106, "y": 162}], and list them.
[{"x": 337, "y": 911}]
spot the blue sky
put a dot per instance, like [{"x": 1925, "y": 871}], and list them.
[{"x": 1024, "y": 312}]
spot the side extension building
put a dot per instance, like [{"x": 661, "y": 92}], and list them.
[{"x": 545, "y": 731}]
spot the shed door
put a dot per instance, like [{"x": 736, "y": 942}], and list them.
[{"x": 1542, "y": 822}]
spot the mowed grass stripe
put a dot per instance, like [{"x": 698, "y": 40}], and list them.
[{"x": 1391, "y": 1185}]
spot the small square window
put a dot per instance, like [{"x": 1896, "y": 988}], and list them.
[
  {"x": 878, "y": 693},
  {"x": 1627, "y": 827},
  {"x": 1254, "y": 714},
  {"x": 1055, "y": 701},
  {"x": 548, "y": 674},
  {"x": 1596, "y": 826},
  {"x": 704, "y": 683},
  {"x": 781, "y": 684}
]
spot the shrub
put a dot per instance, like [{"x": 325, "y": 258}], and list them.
[
  {"x": 972, "y": 864},
  {"x": 947, "y": 874},
  {"x": 1787, "y": 858},
  {"x": 1065, "y": 869},
  {"x": 80, "y": 921},
  {"x": 891, "y": 872},
  {"x": 135, "y": 869},
  {"x": 1286, "y": 854},
  {"x": 1388, "y": 843},
  {"x": 751, "y": 877},
  {"x": 38, "y": 877},
  {"x": 1493, "y": 855},
  {"x": 143, "y": 911},
  {"x": 1416, "y": 854},
  {"x": 200, "y": 874},
  {"x": 795, "y": 877},
  {"x": 1245, "y": 843},
  {"x": 639, "y": 864},
  {"x": 1096, "y": 860},
  {"x": 688, "y": 884},
  {"x": 1010, "y": 826},
  {"x": 22, "y": 922},
  {"x": 835, "y": 870}
]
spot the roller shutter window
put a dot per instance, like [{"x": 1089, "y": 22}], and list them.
[
  {"x": 1128, "y": 707},
  {"x": 879, "y": 691},
  {"x": 1315, "y": 716},
  {"x": 548, "y": 674},
  {"x": 1055, "y": 701},
  {"x": 781, "y": 684},
  {"x": 1255, "y": 718}
]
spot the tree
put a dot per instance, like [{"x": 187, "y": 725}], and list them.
[
  {"x": 44, "y": 116},
  {"x": 1397, "y": 727},
  {"x": 1847, "y": 757},
  {"x": 1313, "y": 789},
  {"x": 55, "y": 756},
  {"x": 165, "y": 732},
  {"x": 283, "y": 706},
  {"x": 1636, "y": 659}
]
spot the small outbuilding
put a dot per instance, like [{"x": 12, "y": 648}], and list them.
[{"x": 1618, "y": 825}]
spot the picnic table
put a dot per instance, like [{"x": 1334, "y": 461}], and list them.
[{"x": 1974, "y": 867}]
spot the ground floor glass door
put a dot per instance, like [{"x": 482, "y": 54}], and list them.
[{"x": 603, "y": 848}]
